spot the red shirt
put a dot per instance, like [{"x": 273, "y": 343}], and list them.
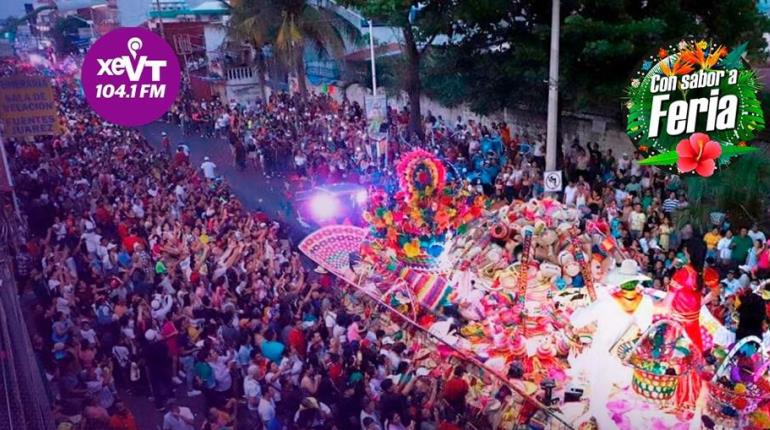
[
  {"x": 130, "y": 241},
  {"x": 102, "y": 215},
  {"x": 455, "y": 389},
  {"x": 122, "y": 229},
  {"x": 297, "y": 341},
  {"x": 123, "y": 422},
  {"x": 335, "y": 373},
  {"x": 180, "y": 158}
]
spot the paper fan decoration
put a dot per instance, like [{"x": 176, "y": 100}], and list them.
[{"x": 330, "y": 247}]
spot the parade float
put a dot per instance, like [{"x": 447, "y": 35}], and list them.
[{"x": 539, "y": 298}]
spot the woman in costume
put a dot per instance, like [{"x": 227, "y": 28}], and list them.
[
  {"x": 625, "y": 309},
  {"x": 683, "y": 304}
]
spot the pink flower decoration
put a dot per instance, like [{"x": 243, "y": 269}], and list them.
[{"x": 698, "y": 153}]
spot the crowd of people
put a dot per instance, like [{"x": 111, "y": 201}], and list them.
[{"x": 147, "y": 277}]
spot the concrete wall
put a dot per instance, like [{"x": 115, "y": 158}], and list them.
[{"x": 606, "y": 132}]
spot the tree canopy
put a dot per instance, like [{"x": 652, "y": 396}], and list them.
[{"x": 499, "y": 55}]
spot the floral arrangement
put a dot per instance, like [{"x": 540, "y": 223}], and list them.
[
  {"x": 414, "y": 223},
  {"x": 679, "y": 75}
]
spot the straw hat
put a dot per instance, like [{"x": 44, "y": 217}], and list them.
[
  {"x": 320, "y": 270},
  {"x": 549, "y": 271},
  {"x": 629, "y": 270}
]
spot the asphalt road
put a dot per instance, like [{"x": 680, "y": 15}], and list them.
[{"x": 253, "y": 189}]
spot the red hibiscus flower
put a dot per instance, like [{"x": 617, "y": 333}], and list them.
[{"x": 698, "y": 153}]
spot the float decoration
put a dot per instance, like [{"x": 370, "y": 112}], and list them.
[
  {"x": 740, "y": 383},
  {"x": 415, "y": 222},
  {"x": 697, "y": 92},
  {"x": 659, "y": 357},
  {"x": 500, "y": 292}
]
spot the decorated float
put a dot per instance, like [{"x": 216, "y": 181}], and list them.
[{"x": 540, "y": 299}]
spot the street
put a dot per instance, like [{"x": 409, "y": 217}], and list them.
[{"x": 255, "y": 192}]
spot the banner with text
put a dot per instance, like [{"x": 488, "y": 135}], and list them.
[{"x": 27, "y": 106}]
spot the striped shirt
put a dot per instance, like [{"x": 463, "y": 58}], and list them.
[{"x": 670, "y": 205}]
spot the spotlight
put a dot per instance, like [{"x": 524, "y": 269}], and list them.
[
  {"x": 324, "y": 206},
  {"x": 361, "y": 197}
]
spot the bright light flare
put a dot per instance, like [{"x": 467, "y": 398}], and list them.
[
  {"x": 324, "y": 206},
  {"x": 361, "y": 197}
]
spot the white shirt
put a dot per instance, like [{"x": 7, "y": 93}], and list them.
[
  {"x": 570, "y": 191},
  {"x": 730, "y": 287},
  {"x": 121, "y": 354},
  {"x": 179, "y": 191},
  {"x": 171, "y": 422},
  {"x": 724, "y": 248},
  {"x": 222, "y": 374},
  {"x": 208, "y": 169},
  {"x": 539, "y": 149},
  {"x": 89, "y": 335},
  {"x": 756, "y": 235},
  {"x": 266, "y": 410},
  {"x": 620, "y": 195},
  {"x": 251, "y": 390},
  {"x": 138, "y": 210},
  {"x": 372, "y": 416},
  {"x": 92, "y": 240}
]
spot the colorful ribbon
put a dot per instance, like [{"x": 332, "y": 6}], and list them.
[{"x": 524, "y": 276}]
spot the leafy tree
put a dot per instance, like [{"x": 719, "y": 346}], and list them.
[
  {"x": 738, "y": 190},
  {"x": 501, "y": 49},
  {"x": 303, "y": 23},
  {"x": 251, "y": 22},
  {"x": 421, "y": 23},
  {"x": 287, "y": 26},
  {"x": 499, "y": 57},
  {"x": 64, "y": 33}
]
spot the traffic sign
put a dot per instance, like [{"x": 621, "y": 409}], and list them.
[{"x": 552, "y": 182}]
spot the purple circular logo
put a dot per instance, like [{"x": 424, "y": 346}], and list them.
[{"x": 130, "y": 76}]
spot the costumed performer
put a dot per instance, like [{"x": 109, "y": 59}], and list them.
[
  {"x": 616, "y": 314},
  {"x": 683, "y": 304}
]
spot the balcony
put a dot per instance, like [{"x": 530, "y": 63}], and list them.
[{"x": 246, "y": 73}]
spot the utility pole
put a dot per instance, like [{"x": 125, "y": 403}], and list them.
[
  {"x": 374, "y": 67},
  {"x": 553, "y": 90},
  {"x": 160, "y": 20}
]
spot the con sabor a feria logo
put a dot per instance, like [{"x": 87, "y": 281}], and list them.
[{"x": 693, "y": 107}]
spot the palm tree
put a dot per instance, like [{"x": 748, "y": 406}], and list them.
[
  {"x": 302, "y": 23},
  {"x": 252, "y": 22},
  {"x": 287, "y": 25}
]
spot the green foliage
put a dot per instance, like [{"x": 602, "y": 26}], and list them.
[
  {"x": 501, "y": 55},
  {"x": 64, "y": 33},
  {"x": 253, "y": 22},
  {"x": 497, "y": 59},
  {"x": 739, "y": 190},
  {"x": 288, "y": 25}
]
